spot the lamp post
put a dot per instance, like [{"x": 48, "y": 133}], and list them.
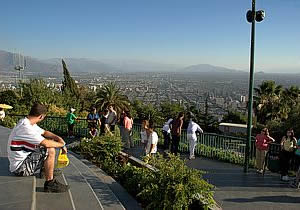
[{"x": 252, "y": 16}]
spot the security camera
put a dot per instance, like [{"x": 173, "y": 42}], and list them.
[{"x": 260, "y": 15}]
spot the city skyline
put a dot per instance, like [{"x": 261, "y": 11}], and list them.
[{"x": 171, "y": 32}]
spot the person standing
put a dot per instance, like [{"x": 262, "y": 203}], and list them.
[
  {"x": 144, "y": 139},
  {"x": 192, "y": 129},
  {"x": 288, "y": 146},
  {"x": 176, "y": 127},
  {"x": 121, "y": 125},
  {"x": 93, "y": 119},
  {"x": 167, "y": 134},
  {"x": 262, "y": 141},
  {"x": 152, "y": 140},
  {"x": 71, "y": 117},
  {"x": 112, "y": 118},
  {"x": 30, "y": 148},
  {"x": 128, "y": 122},
  {"x": 103, "y": 122}
]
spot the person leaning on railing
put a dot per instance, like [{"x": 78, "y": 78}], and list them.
[
  {"x": 192, "y": 129},
  {"x": 288, "y": 146},
  {"x": 262, "y": 141}
]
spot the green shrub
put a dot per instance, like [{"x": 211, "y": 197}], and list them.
[
  {"x": 8, "y": 122},
  {"x": 174, "y": 185},
  {"x": 101, "y": 148}
]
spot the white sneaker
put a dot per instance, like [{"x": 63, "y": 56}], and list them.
[
  {"x": 192, "y": 158},
  {"x": 285, "y": 178}
]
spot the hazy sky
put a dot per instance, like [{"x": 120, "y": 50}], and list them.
[{"x": 184, "y": 32}]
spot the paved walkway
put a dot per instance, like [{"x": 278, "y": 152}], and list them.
[
  {"x": 90, "y": 187},
  {"x": 240, "y": 191}
]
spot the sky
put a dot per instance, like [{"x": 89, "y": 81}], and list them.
[{"x": 182, "y": 32}]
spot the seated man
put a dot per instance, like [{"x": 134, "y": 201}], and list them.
[{"x": 30, "y": 148}]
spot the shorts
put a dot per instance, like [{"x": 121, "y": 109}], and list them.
[{"x": 33, "y": 163}]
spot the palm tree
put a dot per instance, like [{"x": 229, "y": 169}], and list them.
[
  {"x": 292, "y": 95},
  {"x": 267, "y": 102},
  {"x": 110, "y": 94}
]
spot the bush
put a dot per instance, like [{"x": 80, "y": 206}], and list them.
[
  {"x": 172, "y": 186},
  {"x": 101, "y": 148},
  {"x": 8, "y": 122}
]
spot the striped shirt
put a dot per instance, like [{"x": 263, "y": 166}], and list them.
[{"x": 23, "y": 140}]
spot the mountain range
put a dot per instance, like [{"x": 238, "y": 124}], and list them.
[{"x": 53, "y": 65}]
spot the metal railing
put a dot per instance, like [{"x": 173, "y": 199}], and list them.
[
  {"x": 215, "y": 146},
  {"x": 220, "y": 147}
]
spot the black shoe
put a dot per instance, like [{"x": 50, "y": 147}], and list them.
[{"x": 54, "y": 186}]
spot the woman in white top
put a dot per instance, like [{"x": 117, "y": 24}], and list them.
[
  {"x": 152, "y": 140},
  {"x": 191, "y": 135}
]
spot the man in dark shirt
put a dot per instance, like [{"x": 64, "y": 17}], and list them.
[{"x": 176, "y": 126}]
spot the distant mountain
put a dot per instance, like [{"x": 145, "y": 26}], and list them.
[
  {"x": 141, "y": 66},
  {"x": 105, "y": 65},
  {"x": 83, "y": 65},
  {"x": 207, "y": 68},
  {"x": 32, "y": 65},
  {"x": 54, "y": 65}
]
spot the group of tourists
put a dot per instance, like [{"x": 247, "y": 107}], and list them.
[
  {"x": 99, "y": 123},
  {"x": 289, "y": 150},
  {"x": 172, "y": 130}
]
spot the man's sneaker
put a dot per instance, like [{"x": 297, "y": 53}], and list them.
[{"x": 54, "y": 186}]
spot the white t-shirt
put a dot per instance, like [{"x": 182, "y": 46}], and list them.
[
  {"x": 152, "y": 139},
  {"x": 166, "y": 126},
  {"x": 23, "y": 140},
  {"x": 191, "y": 130}
]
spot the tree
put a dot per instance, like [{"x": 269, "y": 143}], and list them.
[
  {"x": 207, "y": 121},
  {"x": 267, "y": 102},
  {"x": 235, "y": 117},
  {"x": 9, "y": 97},
  {"x": 36, "y": 91},
  {"x": 69, "y": 86},
  {"x": 111, "y": 94},
  {"x": 170, "y": 110},
  {"x": 147, "y": 112}
]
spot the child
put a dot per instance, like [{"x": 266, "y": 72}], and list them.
[
  {"x": 93, "y": 132},
  {"x": 145, "y": 125}
]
